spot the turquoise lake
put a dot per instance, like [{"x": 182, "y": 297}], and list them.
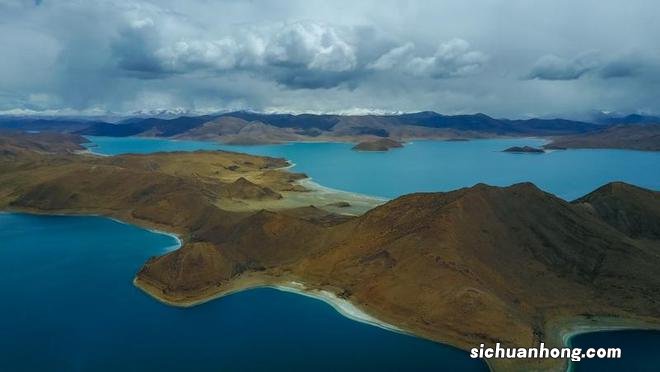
[
  {"x": 69, "y": 304},
  {"x": 434, "y": 165}
]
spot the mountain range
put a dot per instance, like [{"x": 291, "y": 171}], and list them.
[{"x": 243, "y": 127}]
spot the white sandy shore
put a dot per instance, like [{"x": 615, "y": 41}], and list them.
[
  {"x": 323, "y": 197},
  {"x": 291, "y": 165},
  {"x": 89, "y": 149},
  {"x": 90, "y": 152},
  {"x": 310, "y": 183},
  {"x": 177, "y": 245},
  {"x": 85, "y": 152},
  {"x": 170, "y": 248},
  {"x": 342, "y": 306},
  {"x": 568, "y": 333}
]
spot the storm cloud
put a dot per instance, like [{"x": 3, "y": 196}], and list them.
[
  {"x": 551, "y": 67},
  {"x": 504, "y": 58}
]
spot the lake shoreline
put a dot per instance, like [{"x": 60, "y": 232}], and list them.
[
  {"x": 566, "y": 328},
  {"x": 562, "y": 330},
  {"x": 249, "y": 281}
]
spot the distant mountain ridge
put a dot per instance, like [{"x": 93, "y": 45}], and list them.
[
  {"x": 644, "y": 137},
  {"x": 244, "y": 127},
  {"x": 626, "y": 119},
  {"x": 311, "y": 124}
]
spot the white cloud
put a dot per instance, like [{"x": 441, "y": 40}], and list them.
[
  {"x": 453, "y": 58},
  {"x": 221, "y": 54},
  {"x": 305, "y": 45},
  {"x": 376, "y": 54},
  {"x": 313, "y": 45}
]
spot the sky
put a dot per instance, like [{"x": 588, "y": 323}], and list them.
[{"x": 505, "y": 58}]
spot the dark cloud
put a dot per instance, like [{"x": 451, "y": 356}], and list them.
[
  {"x": 595, "y": 65},
  {"x": 306, "y": 79},
  {"x": 297, "y": 55},
  {"x": 631, "y": 65},
  {"x": 343, "y": 56},
  {"x": 551, "y": 67},
  {"x": 134, "y": 51},
  {"x": 619, "y": 69}
]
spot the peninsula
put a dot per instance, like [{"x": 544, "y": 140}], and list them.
[
  {"x": 483, "y": 264},
  {"x": 643, "y": 137}
]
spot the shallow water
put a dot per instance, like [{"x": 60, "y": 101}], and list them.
[
  {"x": 436, "y": 165},
  {"x": 639, "y": 351},
  {"x": 68, "y": 304}
]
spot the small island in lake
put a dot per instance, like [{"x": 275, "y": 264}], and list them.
[
  {"x": 378, "y": 145},
  {"x": 457, "y": 139},
  {"x": 525, "y": 149}
]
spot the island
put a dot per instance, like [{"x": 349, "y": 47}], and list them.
[
  {"x": 524, "y": 149},
  {"x": 481, "y": 264},
  {"x": 457, "y": 139},
  {"x": 384, "y": 144}
]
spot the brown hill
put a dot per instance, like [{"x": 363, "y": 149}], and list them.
[
  {"x": 645, "y": 137},
  {"x": 629, "y": 209},
  {"x": 244, "y": 189},
  {"x": 14, "y": 143},
  {"x": 476, "y": 265},
  {"x": 233, "y": 130}
]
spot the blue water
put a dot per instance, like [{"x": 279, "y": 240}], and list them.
[
  {"x": 436, "y": 165},
  {"x": 141, "y": 145},
  {"x": 639, "y": 351},
  {"x": 75, "y": 308},
  {"x": 68, "y": 304}
]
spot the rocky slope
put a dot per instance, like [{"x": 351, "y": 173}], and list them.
[
  {"x": 477, "y": 265},
  {"x": 15, "y": 143},
  {"x": 629, "y": 209},
  {"x": 233, "y": 130},
  {"x": 644, "y": 137}
]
